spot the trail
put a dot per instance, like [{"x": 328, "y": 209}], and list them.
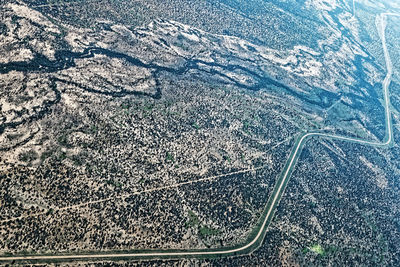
[
  {"x": 150, "y": 190},
  {"x": 64, "y": 3},
  {"x": 255, "y": 240}
]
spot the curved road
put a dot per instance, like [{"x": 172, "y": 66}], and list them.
[{"x": 257, "y": 236}]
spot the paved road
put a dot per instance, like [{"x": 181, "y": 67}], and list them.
[{"x": 256, "y": 240}]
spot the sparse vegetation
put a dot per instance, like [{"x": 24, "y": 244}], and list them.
[
  {"x": 28, "y": 156},
  {"x": 141, "y": 145},
  {"x": 195, "y": 125},
  {"x": 193, "y": 220},
  {"x": 169, "y": 157},
  {"x": 205, "y": 231}
]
